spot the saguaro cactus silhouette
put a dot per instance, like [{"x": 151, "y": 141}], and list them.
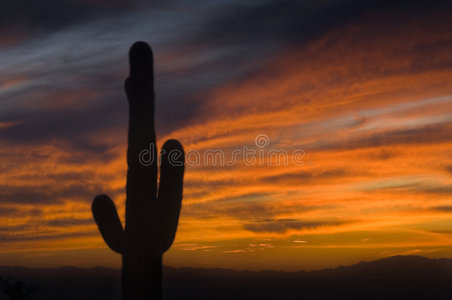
[{"x": 151, "y": 215}]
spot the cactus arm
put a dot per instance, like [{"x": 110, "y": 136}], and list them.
[
  {"x": 106, "y": 217},
  {"x": 170, "y": 190}
]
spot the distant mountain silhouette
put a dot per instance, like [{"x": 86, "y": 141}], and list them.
[{"x": 398, "y": 277}]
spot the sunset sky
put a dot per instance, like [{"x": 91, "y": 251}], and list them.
[{"x": 362, "y": 88}]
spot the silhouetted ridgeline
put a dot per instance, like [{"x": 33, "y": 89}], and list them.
[{"x": 398, "y": 277}]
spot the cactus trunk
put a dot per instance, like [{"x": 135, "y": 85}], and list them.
[
  {"x": 142, "y": 277},
  {"x": 151, "y": 216}
]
